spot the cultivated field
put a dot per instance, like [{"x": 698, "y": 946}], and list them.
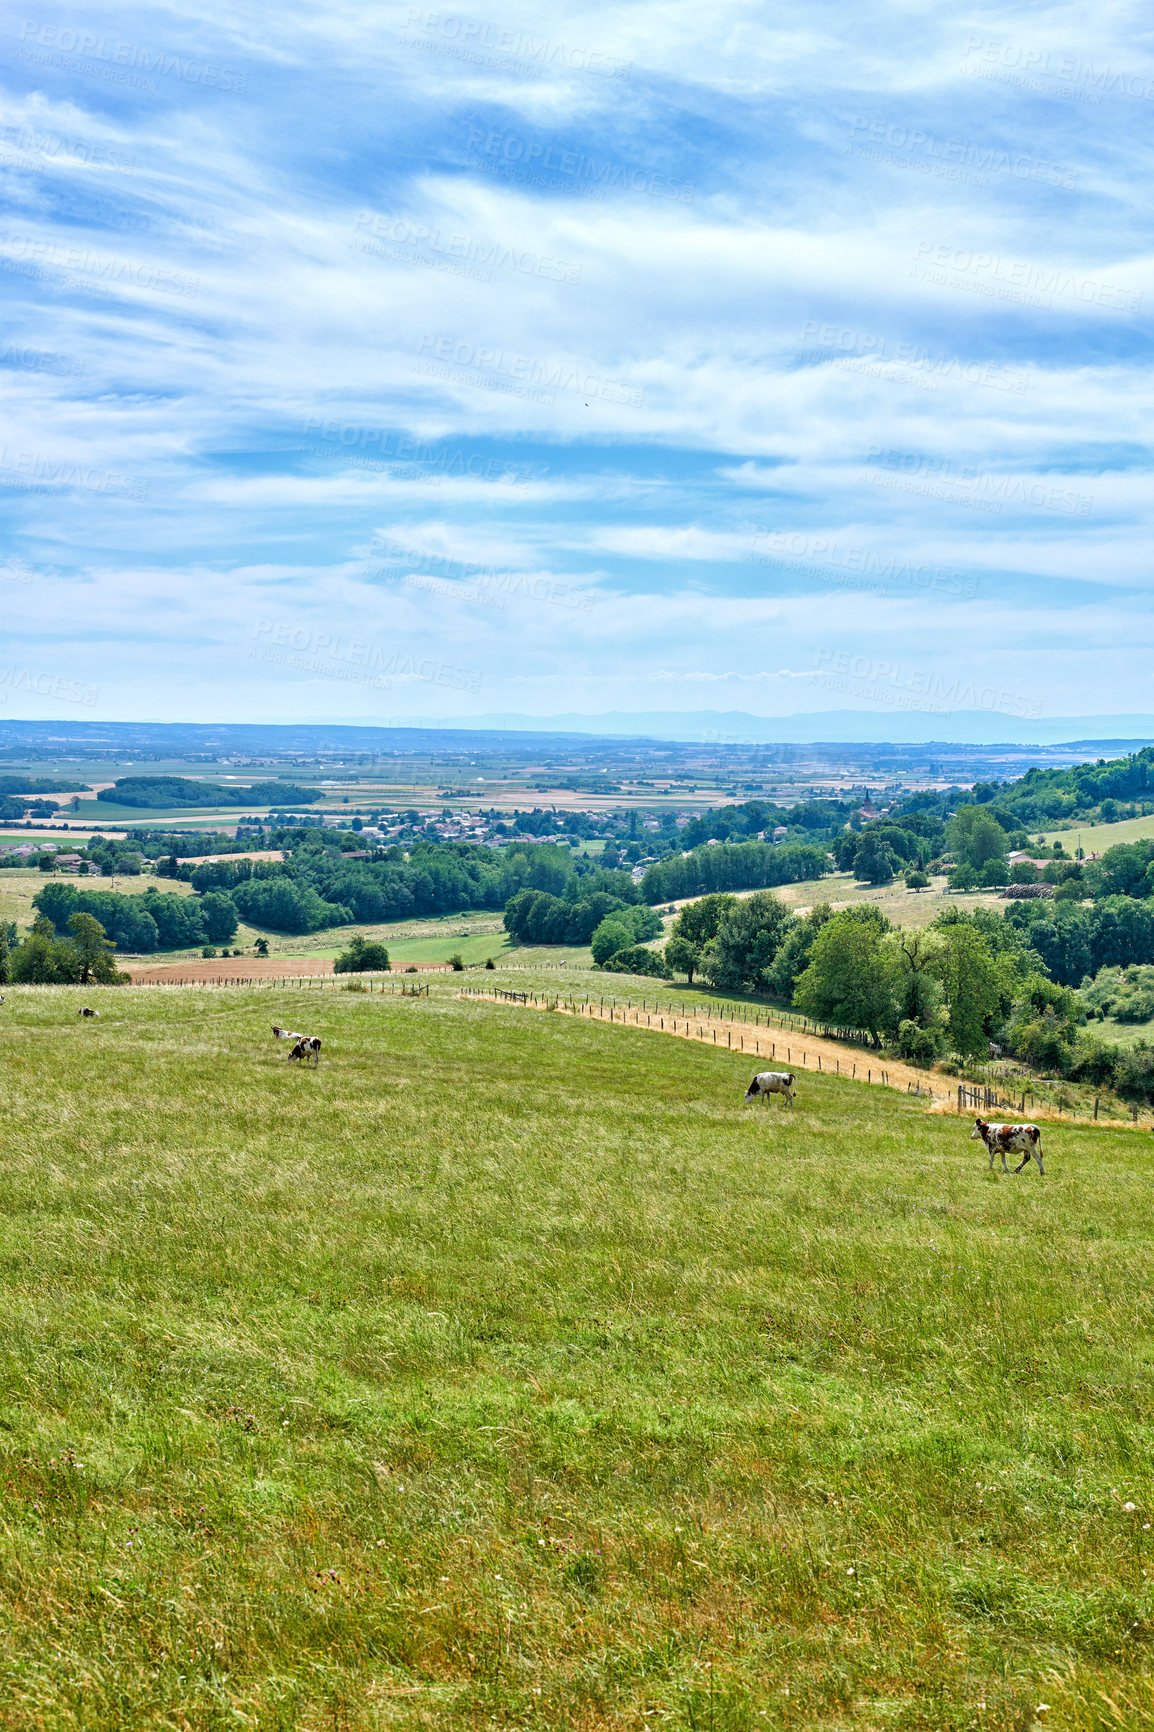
[{"x": 508, "y": 1371}]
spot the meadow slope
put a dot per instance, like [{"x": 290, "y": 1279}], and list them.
[{"x": 508, "y": 1371}]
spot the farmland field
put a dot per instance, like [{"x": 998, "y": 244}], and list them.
[{"x": 507, "y": 1371}]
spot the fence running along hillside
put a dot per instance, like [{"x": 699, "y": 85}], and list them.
[{"x": 969, "y": 1095}]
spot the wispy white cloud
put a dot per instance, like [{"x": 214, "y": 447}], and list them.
[{"x": 721, "y": 278}]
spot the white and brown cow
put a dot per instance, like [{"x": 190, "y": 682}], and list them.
[
  {"x": 307, "y": 1046},
  {"x": 999, "y": 1138},
  {"x": 280, "y": 1033},
  {"x": 771, "y": 1082}
]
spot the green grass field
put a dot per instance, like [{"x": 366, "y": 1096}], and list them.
[
  {"x": 1096, "y": 838},
  {"x": 507, "y": 1371}
]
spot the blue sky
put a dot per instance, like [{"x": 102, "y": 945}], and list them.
[{"x": 389, "y": 364}]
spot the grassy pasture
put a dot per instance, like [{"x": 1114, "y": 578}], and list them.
[
  {"x": 508, "y": 1371},
  {"x": 1096, "y": 838}
]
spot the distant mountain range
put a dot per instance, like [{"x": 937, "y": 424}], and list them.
[
  {"x": 736, "y": 727},
  {"x": 1113, "y": 734}
]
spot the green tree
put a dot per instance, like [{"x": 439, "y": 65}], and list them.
[
  {"x": 361, "y": 956},
  {"x": 93, "y": 948},
  {"x": 695, "y": 927},
  {"x": 5, "y": 955},
  {"x": 973, "y": 986},
  {"x": 975, "y": 837},
  {"x": 792, "y": 959},
  {"x": 681, "y": 957},
  {"x": 874, "y": 861},
  {"x": 849, "y": 980},
  {"x": 748, "y": 939},
  {"x": 610, "y": 937},
  {"x": 914, "y": 959}
]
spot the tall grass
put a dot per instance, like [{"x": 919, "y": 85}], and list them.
[{"x": 508, "y": 1370}]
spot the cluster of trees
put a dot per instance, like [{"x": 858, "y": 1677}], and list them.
[
  {"x": 966, "y": 979},
  {"x": 157, "y": 792},
  {"x": 1075, "y": 939},
  {"x": 26, "y": 794},
  {"x": 361, "y": 957},
  {"x": 80, "y": 957},
  {"x": 539, "y": 917},
  {"x": 877, "y": 852},
  {"x": 153, "y": 921},
  {"x": 732, "y": 866},
  {"x": 1045, "y": 797},
  {"x": 753, "y": 818}
]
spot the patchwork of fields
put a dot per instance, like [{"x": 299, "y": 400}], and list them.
[{"x": 507, "y": 1370}]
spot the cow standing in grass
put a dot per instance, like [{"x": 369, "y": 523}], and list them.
[
  {"x": 999, "y": 1138},
  {"x": 771, "y": 1082},
  {"x": 307, "y": 1046}
]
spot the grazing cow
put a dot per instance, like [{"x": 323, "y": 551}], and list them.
[
  {"x": 1028, "y": 1138},
  {"x": 87, "y": 1012},
  {"x": 307, "y": 1046},
  {"x": 771, "y": 1082}
]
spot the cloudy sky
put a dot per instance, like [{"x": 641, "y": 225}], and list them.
[{"x": 382, "y": 363}]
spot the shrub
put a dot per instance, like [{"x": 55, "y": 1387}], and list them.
[
  {"x": 918, "y": 1045},
  {"x": 361, "y": 956},
  {"x": 637, "y": 960},
  {"x": 611, "y": 936},
  {"x": 457, "y": 962},
  {"x": 489, "y": 963},
  {"x": 206, "y": 950}
]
